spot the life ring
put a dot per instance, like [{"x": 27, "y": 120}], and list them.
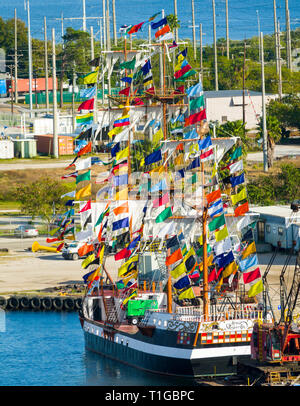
[
  {"x": 35, "y": 303},
  {"x": 3, "y": 302},
  {"x": 13, "y": 303},
  {"x": 57, "y": 303},
  {"x": 24, "y": 302},
  {"x": 47, "y": 303},
  {"x": 69, "y": 303}
]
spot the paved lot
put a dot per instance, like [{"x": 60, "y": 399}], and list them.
[{"x": 280, "y": 152}]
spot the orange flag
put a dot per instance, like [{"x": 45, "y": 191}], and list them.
[
  {"x": 162, "y": 31},
  {"x": 121, "y": 209},
  {"x": 211, "y": 197},
  {"x": 85, "y": 249},
  {"x": 87, "y": 148},
  {"x": 176, "y": 256},
  {"x": 242, "y": 209}
]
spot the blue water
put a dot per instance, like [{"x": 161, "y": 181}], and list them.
[
  {"x": 244, "y": 16},
  {"x": 47, "y": 349}
]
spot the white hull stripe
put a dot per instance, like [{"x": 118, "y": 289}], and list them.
[{"x": 172, "y": 352}]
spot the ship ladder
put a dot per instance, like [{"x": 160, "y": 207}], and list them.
[
  {"x": 260, "y": 343},
  {"x": 274, "y": 377},
  {"x": 161, "y": 260},
  {"x": 112, "y": 314}
]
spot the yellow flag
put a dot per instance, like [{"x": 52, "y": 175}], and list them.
[
  {"x": 123, "y": 268},
  {"x": 91, "y": 77},
  {"x": 221, "y": 234},
  {"x": 158, "y": 136},
  {"x": 122, "y": 154},
  {"x": 84, "y": 192},
  {"x": 115, "y": 131},
  {"x": 180, "y": 59},
  {"x": 94, "y": 274},
  {"x": 256, "y": 288},
  {"x": 52, "y": 232},
  {"x": 187, "y": 294},
  {"x": 251, "y": 249},
  {"x": 231, "y": 268},
  {"x": 209, "y": 262},
  {"x": 239, "y": 196},
  {"x": 132, "y": 275},
  {"x": 219, "y": 284},
  {"x": 122, "y": 194},
  {"x": 179, "y": 270},
  {"x": 159, "y": 169},
  {"x": 214, "y": 171},
  {"x": 101, "y": 254},
  {"x": 178, "y": 160},
  {"x": 87, "y": 260}
]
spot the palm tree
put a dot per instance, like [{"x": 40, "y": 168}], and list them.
[
  {"x": 273, "y": 136},
  {"x": 234, "y": 129}
]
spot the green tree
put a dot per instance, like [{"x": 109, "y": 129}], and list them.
[
  {"x": 234, "y": 129},
  {"x": 38, "y": 198},
  {"x": 273, "y": 136}
]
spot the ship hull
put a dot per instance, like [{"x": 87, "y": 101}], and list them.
[{"x": 215, "y": 360}]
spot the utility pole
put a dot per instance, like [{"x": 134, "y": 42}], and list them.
[
  {"x": 104, "y": 23},
  {"x": 107, "y": 27},
  {"x": 55, "y": 135},
  {"x": 288, "y": 36},
  {"x": 92, "y": 44},
  {"x": 279, "y": 62},
  {"x": 227, "y": 30},
  {"x": 264, "y": 123},
  {"x": 215, "y": 46},
  {"x": 46, "y": 65},
  {"x": 73, "y": 98},
  {"x": 83, "y": 16},
  {"x": 11, "y": 89},
  {"x": 276, "y": 36},
  {"x": 258, "y": 28},
  {"x": 161, "y": 73},
  {"x": 30, "y": 59},
  {"x": 194, "y": 31},
  {"x": 16, "y": 59},
  {"x": 244, "y": 67},
  {"x": 201, "y": 54},
  {"x": 114, "y": 22},
  {"x": 175, "y": 13}
]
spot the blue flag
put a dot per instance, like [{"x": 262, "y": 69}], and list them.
[
  {"x": 146, "y": 68},
  {"x": 205, "y": 143},
  {"x": 181, "y": 283},
  {"x": 224, "y": 259},
  {"x": 120, "y": 224},
  {"x": 154, "y": 157},
  {"x": 115, "y": 149},
  {"x": 159, "y": 23},
  {"x": 121, "y": 180},
  {"x": 134, "y": 243},
  {"x": 161, "y": 185},
  {"x": 248, "y": 262},
  {"x": 194, "y": 164},
  {"x": 237, "y": 180}
]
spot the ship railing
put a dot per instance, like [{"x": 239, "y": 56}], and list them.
[{"x": 251, "y": 314}]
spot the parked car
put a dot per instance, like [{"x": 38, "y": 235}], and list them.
[
  {"x": 70, "y": 250},
  {"x": 26, "y": 231}
]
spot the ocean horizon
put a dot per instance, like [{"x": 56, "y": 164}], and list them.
[{"x": 246, "y": 19}]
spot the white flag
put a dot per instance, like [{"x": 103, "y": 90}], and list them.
[
  {"x": 245, "y": 221},
  {"x": 222, "y": 246},
  {"x": 83, "y": 164},
  {"x": 70, "y": 194},
  {"x": 236, "y": 166}
]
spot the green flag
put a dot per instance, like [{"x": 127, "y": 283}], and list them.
[
  {"x": 216, "y": 223},
  {"x": 164, "y": 215},
  {"x": 236, "y": 154},
  {"x": 186, "y": 75},
  {"x": 101, "y": 217},
  {"x": 128, "y": 64},
  {"x": 83, "y": 176},
  {"x": 197, "y": 103}
]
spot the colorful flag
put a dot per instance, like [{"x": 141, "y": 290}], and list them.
[
  {"x": 163, "y": 21},
  {"x": 237, "y": 180},
  {"x": 235, "y": 167},
  {"x": 250, "y": 249},
  {"x": 174, "y": 257},
  {"x": 123, "y": 121},
  {"x": 211, "y": 197},
  {"x": 91, "y": 77},
  {"x": 128, "y": 265},
  {"x": 241, "y": 210},
  {"x": 85, "y": 118},
  {"x": 165, "y": 214},
  {"x": 160, "y": 201},
  {"x": 241, "y": 195},
  {"x": 256, "y": 288},
  {"x": 182, "y": 53},
  {"x": 84, "y": 150},
  {"x": 125, "y": 91},
  {"x": 86, "y": 207},
  {"x": 224, "y": 259},
  {"x": 229, "y": 270},
  {"x": 154, "y": 157},
  {"x": 121, "y": 209},
  {"x": 221, "y": 234},
  {"x": 87, "y": 105},
  {"x": 182, "y": 282},
  {"x": 207, "y": 155},
  {"x": 215, "y": 208},
  {"x": 84, "y": 192},
  {"x": 236, "y": 154},
  {"x": 70, "y": 175},
  {"x": 135, "y": 28},
  {"x": 205, "y": 142},
  {"x": 248, "y": 262},
  {"x": 88, "y": 260},
  {"x": 123, "y": 223},
  {"x": 124, "y": 253},
  {"x": 127, "y": 79},
  {"x": 251, "y": 276},
  {"x": 85, "y": 249},
  {"x": 122, "y": 154},
  {"x": 187, "y": 294},
  {"x": 185, "y": 67},
  {"x": 128, "y": 64},
  {"x": 217, "y": 222},
  {"x": 83, "y": 176}
]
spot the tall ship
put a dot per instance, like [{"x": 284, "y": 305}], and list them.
[{"x": 173, "y": 284}]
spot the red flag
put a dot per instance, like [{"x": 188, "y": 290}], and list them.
[
  {"x": 86, "y": 207},
  {"x": 84, "y": 150},
  {"x": 59, "y": 248},
  {"x": 125, "y": 91},
  {"x": 135, "y": 28},
  {"x": 85, "y": 249},
  {"x": 87, "y": 105},
  {"x": 162, "y": 31},
  {"x": 50, "y": 240},
  {"x": 124, "y": 253},
  {"x": 212, "y": 276},
  {"x": 242, "y": 209},
  {"x": 211, "y": 197},
  {"x": 251, "y": 276},
  {"x": 195, "y": 118},
  {"x": 176, "y": 256}
]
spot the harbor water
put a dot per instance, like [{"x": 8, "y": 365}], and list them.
[{"x": 39, "y": 348}]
